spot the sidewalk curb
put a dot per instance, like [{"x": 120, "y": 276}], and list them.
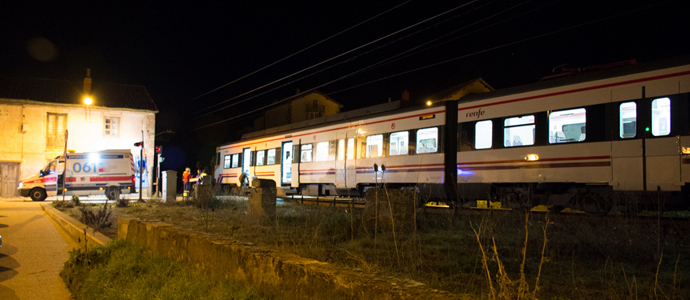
[{"x": 74, "y": 228}]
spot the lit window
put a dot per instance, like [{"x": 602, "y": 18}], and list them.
[
  {"x": 341, "y": 149},
  {"x": 628, "y": 120},
  {"x": 375, "y": 145},
  {"x": 111, "y": 126},
  {"x": 226, "y": 160},
  {"x": 306, "y": 153},
  {"x": 399, "y": 143},
  {"x": 350, "y": 148},
  {"x": 661, "y": 116},
  {"x": 567, "y": 126},
  {"x": 427, "y": 140},
  {"x": 321, "y": 151},
  {"x": 260, "y": 157},
  {"x": 483, "y": 133},
  {"x": 271, "y": 158},
  {"x": 235, "y": 160},
  {"x": 518, "y": 131}
]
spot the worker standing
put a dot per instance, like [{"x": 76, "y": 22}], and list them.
[{"x": 185, "y": 180}]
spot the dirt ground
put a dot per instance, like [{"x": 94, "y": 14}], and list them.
[{"x": 505, "y": 255}]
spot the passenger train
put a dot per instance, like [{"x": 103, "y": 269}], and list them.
[{"x": 573, "y": 140}]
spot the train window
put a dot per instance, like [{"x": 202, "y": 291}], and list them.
[
  {"x": 306, "y": 153},
  {"x": 567, "y": 126},
  {"x": 260, "y": 155},
  {"x": 226, "y": 161},
  {"x": 483, "y": 133},
  {"x": 399, "y": 143},
  {"x": 350, "y": 148},
  {"x": 321, "y": 151},
  {"x": 628, "y": 120},
  {"x": 518, "y": 131},
  {"x": 375, "y": 145},
  {"x": 427, "y": 140},
  {"x": 341, "y": 149},
  {"x": 271, "y": 157},
  {"x": 235, "y": 160},
  {"x": 661, "y": 116}
]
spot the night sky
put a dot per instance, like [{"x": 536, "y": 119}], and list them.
[{"x": 181, "y": 50}]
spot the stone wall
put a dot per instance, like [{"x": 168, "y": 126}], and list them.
[{"x": 285, "y": 275}]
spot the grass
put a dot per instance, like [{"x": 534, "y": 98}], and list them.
[
  {"x": 579, "y": 257},
  {"x": 121, "y": 270}
]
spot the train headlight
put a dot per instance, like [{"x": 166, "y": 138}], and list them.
[
  {"x": 532, "y": 157},
  {"x": 685, "y": 150}
]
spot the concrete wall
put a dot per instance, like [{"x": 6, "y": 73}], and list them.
[
  {"x": 23, "y": 127},
  {"x": 286, "y": 275}
]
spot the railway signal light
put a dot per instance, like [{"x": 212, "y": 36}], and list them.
[{"x": 139, "y": 144}]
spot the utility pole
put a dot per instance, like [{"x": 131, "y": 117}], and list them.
[{"x": 141, "y": 164}]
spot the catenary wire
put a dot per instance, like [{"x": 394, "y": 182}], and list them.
[
  {"x": 300, "y": 51},
  {"x": 418, "y": 49},
  {"x": 335, "y": 65},
  {"x": 435, "y": 64},
  {"x": 342, "y": 54},
  {"x": 504, "y": 45}
]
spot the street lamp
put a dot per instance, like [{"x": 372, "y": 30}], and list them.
[{"x": 87, "y": 101}]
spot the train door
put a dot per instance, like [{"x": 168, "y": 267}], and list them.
[
  {"x": 246, "y": 160},
  {"x": 286, "y": 164},
  {"x": 345, "y": 169},
  {"x": 626, "y": 150},
  {"x": 662, "y": 146}
]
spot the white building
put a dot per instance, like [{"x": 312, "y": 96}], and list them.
[{"x": 35, "y": 112}]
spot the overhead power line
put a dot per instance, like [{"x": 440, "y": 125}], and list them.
[
  {"x": 342, "y": 54},
  {"x": 300, "y": 51},
  {"x": 336, "y": 64},
  {"x": 435, "y": 64}
]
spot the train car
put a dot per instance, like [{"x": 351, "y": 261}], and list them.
[{"x": 570, "y": 140}]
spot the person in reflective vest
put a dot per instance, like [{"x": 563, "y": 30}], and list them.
[{"x": 185, "y": 180}]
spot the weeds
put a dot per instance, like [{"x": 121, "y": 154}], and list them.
[
  {"x": 122, "y": 270},
  {"x": 452, "y": 253},
  {"x": 101, "y": 219}
]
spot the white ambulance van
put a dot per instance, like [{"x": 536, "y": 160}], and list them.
[{"x": 109, "y": 172}]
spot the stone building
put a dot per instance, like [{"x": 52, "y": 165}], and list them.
[
  {"x": 301, "y": 107},
  {"x": 36, "y": 112}
]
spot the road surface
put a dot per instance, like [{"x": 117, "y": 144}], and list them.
[{"x": 33, "y": 252}]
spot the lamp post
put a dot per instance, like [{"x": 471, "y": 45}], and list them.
[{"x": 87, "y": 101}]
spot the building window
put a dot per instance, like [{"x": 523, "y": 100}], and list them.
[
  {"x": 399, "y": 143},
  {"x": 661, "y": 116},
  {"x": 306, "y": 153},
  {"x": 375, "y": 145},
  {"x": 111, "y": 126},
  {"x": 518, "y": 131},
  {"x": 567, "y": 126},
  {"x": 55, "y": 130},
  {"x": 427, "y": 140},
  {"x": 271, "y": 160},
  {"x": 628, "y": 120},
  {"x": 226, "y": 160},
  {"x": 483, "y": 133},
  {"x": 314, "y": 115}
]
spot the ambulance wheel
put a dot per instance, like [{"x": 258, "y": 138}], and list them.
[
  {"x": 112, "y": 193},
  {"x": 38, "y": 194}
]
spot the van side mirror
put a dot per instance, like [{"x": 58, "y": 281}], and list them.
[{"x": 40, "y": 172}]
